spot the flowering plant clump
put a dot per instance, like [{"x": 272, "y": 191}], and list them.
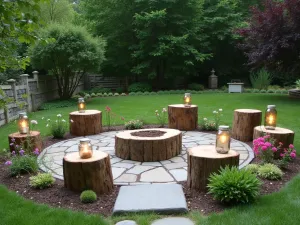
[
  {"x": 264, "y": 148},
  {"x": 161, "y": 117},
  {"x": 133, "y": 125},
  {"x": 212, "y": 124},
  {"x": 58, "y": 127},
  {"x": 287, "y": 155}
]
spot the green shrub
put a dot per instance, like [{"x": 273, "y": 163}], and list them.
[
  {"x": 58, "y": 127},
  {"x": 81, "y": 93},
  {"x": 274, "y": 87},
  {"x": 297, "y": 84},
  {"x": 139, "y": 86},
  {"x": 248, "y": 90},
  {"x": 232, "y": 185},
  {"x": 120, "y": 90},
  {"x": 270, "y": 171},
  {"x": 196, "y": 87},
  {"x": 87, "y": 96},
  {"x": 133, "y": 125},
  {"x": 116, "y": 94},
  {"x": 263, "y": 91},
  {"x": 253, "y": 168},
  {"x": 93, "y": 95},
  {"x": 284, "y": 92},
  {"x": 42, "y": 181},
  {"x": 270, "y": 91},
  {"x": 255, "y": 91},
  {"x": 139, "y": 93},
  {"x": 153, "y": 93},
  {"x": 123, "y": 94},
  {"x": 146, "y": 93},
  {"x": 23, "y": 164},
  {"x": 261, "y": 80},
  {"x": 132, "y": 93},
  {"x": 99, "y": 94},
  {"x": 100, "y": 90},
  {"x": 110, "y": 94},
  {"x": 104, "y": 94},
  {"x": 58, "y": 104},
  {"x": 88, "y": 196}
]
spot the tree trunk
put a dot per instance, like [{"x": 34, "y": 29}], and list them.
[{"x": 183, "y": 118}]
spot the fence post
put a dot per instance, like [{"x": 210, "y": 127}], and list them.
[
  {"x": 36, "y": 78},
  {"x": 12, "y": 83},
  {"x": 24, "y": 81}
]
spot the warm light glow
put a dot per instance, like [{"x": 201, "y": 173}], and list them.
[
  {"x": 23, "y": 124},
  {"x": 85, "y": 149},
  {"x": 223, "y": 138},
  {"x": 187, "y": 99},
  {"x": 271, "y": 119},
  {"x": 81, "y": 105}
]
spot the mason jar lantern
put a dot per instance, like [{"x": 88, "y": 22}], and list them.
[
  {"x": 223, "y": 140},
  {"x": 81, "y": 105},
  {"x": 187, "y": 99},
  {"x": 85, "y": 148},
  {"x": 271, "y": 117},
  {"x": 23, "y": 123}
]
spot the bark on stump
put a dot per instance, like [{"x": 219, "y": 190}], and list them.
[
  {"x": 204, "y": 160},
  {"x": 87, "y": 123},
  {"x": 31, "y": 140},
  {"x": 88, "y": 174},
  {"x": 148, "y": 149},
  {"x": 283, "y": 135},
  {"x": 183, "y": 117},
  {"x": 244, "y": 122}
]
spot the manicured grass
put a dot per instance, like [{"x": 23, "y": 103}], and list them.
[{"x": 143, "y": 107}]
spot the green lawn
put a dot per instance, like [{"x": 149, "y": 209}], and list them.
[{"x": 278, "y": 208}]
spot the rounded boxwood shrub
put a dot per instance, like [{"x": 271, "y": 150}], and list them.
[
  {"x": 132, "y": 93},
  {"x": 196, "y": 87},
  {"x": 110, "y": 94},
  {"x": 153, "y": 93},
  {"x": 123, "y": 94},
  {"x": 42, "y": 181},
  {"x": 93, "y": 95},
  {"x": 88, "y": 196},
  {"x": 263, "y": 91},
  {"x": 139, "y": 93},
  {"x": 116, "y": 94},
  {"x": 271, "y": 91},
  {"x": 139, "y": 86},
  {"x": 232, "y": 185},
  {"x": 255, "y": 91},
  {"x": 146, "y": 93},
  {"x": 270, "y": 171},
  {"x": 253, "y": 168}
]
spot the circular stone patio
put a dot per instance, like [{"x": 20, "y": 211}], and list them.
[{"x": 127, "y": 172}]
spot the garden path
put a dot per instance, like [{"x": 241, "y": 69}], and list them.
[{"x": 127, "y": 172}]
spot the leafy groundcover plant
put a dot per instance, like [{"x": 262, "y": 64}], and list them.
[
  {"x": 233, "y": 186},
  {"x": 58, "y": 127},
  {"x": 133, "y": 125},
  {"x": 212, "y": 124},
  {"x": 88, "y": 196},
  {"x": 42, "y": 181},
  {"x": 270, "y": 171}
]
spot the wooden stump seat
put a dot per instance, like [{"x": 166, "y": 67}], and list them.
[
  {"x": 88, "y": 174},
  {"x": 183, "y": 117},
  {"x": 87, "y": 123},
  {"x": 283, "y": 135},
  {"x": 148, "y": 149},
  {"x": 244, "y": 121},
  {"x": 32, "y": 140},
  {"x": 204, "y": 160}
]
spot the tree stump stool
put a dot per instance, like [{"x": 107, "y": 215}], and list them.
[
  {"x": 204, "y": 160},
  {"x": 244, "y": 121},
  {"x": 183, "y": 117},
  {"x": 87, "y": 123},
  {"x": 88, "y": 174},
  {"x": 148, "y": 148},
  {"x": 31, "y": 140},
  {"x": 283, "y": 135}
]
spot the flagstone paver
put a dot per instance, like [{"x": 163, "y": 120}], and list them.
[
  {"x": 127, "y": 172},
  {"x": 173, "y": 221},
  {"x": 126, "y": 222}
]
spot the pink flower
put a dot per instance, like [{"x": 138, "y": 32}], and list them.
[
  {"x": 291, "y": 146},
  {"x": 293, "y": 154},
  {"x": 122, "y": 118},
  {"x": 268, "y": 144},
  {"x": 281, "y": 155},
  {"x": 8, "y": 163},
  {"x": 274, "y": 149},
  {"x": 264, "y": 148},
  {"x": 280, "y": 143},
  {"x": 107, "y": 109}
]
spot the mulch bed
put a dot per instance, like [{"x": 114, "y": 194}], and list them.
[
  {"x": 58, "y": 196},
  {"x": 148, "y": 133}
]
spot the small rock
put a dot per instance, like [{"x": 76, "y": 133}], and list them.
[{"x": 126, "y": 222}]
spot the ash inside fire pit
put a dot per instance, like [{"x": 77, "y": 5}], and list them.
[{"x": 149, "y": 133}]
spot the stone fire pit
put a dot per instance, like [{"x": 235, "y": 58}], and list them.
[{"x": 148, "y": 145}]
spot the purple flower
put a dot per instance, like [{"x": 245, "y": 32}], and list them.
[
  {"x": 36, "y": 151},
  {"x": 13, "y": 153},
  {"x": 11, "y": 144},
  {"x": 13, "y": 140},
  {"x": 8, "y": 163},
  {"x": 17, "y": 146},
  {"x": 21, "y": 152}
]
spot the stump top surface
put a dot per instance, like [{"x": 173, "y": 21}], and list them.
[
  {"x": 30, "y": 134},
  {"x": 87, "y": 112},
  {"x": 169, "y": 133},
  {"x": 74, "y": 157},
  {"x": 278, "y": 130},
  {"x": 248, "y": 110},
  {"x": 182, "y": 106},
  {"x": 209, "y": 151}
]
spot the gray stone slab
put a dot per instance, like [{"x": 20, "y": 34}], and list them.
[
  {"x": 173, "y": 221},
  {"x": 160, "y": 198},
  {"x": 126, "y": 222}
]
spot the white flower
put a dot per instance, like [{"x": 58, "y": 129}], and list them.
[
  {"x": 220, "y": 110},
  {"x": 48, "y": 120},
  {"x": 157, "y": 114},
  {"x": 63, "y": 121},
  {"x": 204, "y": 119},
  {"x": 55, "y": 121},
  {"x": 33, "y": 122},
  {"x": 164, "y": 110},
  {"x": 58, "y": 115},
  {"x": 43, "y": 118},
  {"x": 214, "y": 112},
  {"x": 72, "y": 121},
  {"x": 47, "y": 125},
  {"x": 156, "y": 111}
]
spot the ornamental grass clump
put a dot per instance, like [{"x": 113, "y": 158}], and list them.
[
  {"x": 21, "y": 164},
  {"x": 233, "y": 186},
  {"x": 88, "y": 196},
  {"x": 270, "y": 171},
  {"x": 42, "y": 181},
  {"x": 161, "y": 117},
  {"x": 253, "y": 168},
  {"x": 264, "y": 148}
]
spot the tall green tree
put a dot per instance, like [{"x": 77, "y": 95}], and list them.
[
  {"x": 18, "y": 21},
  {"x": 68, "y": 55}
]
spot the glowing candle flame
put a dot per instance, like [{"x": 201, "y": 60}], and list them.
[
  {"x": 271, "y": 119},
  {"x": 23, "y": 124},
  {"x": 223, "y": 139},
  {"x": 81, "y": 106},
  {"x": 187, "y": 99}
]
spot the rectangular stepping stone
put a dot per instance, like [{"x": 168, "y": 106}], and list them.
[{"x": 159, "y": 198}]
